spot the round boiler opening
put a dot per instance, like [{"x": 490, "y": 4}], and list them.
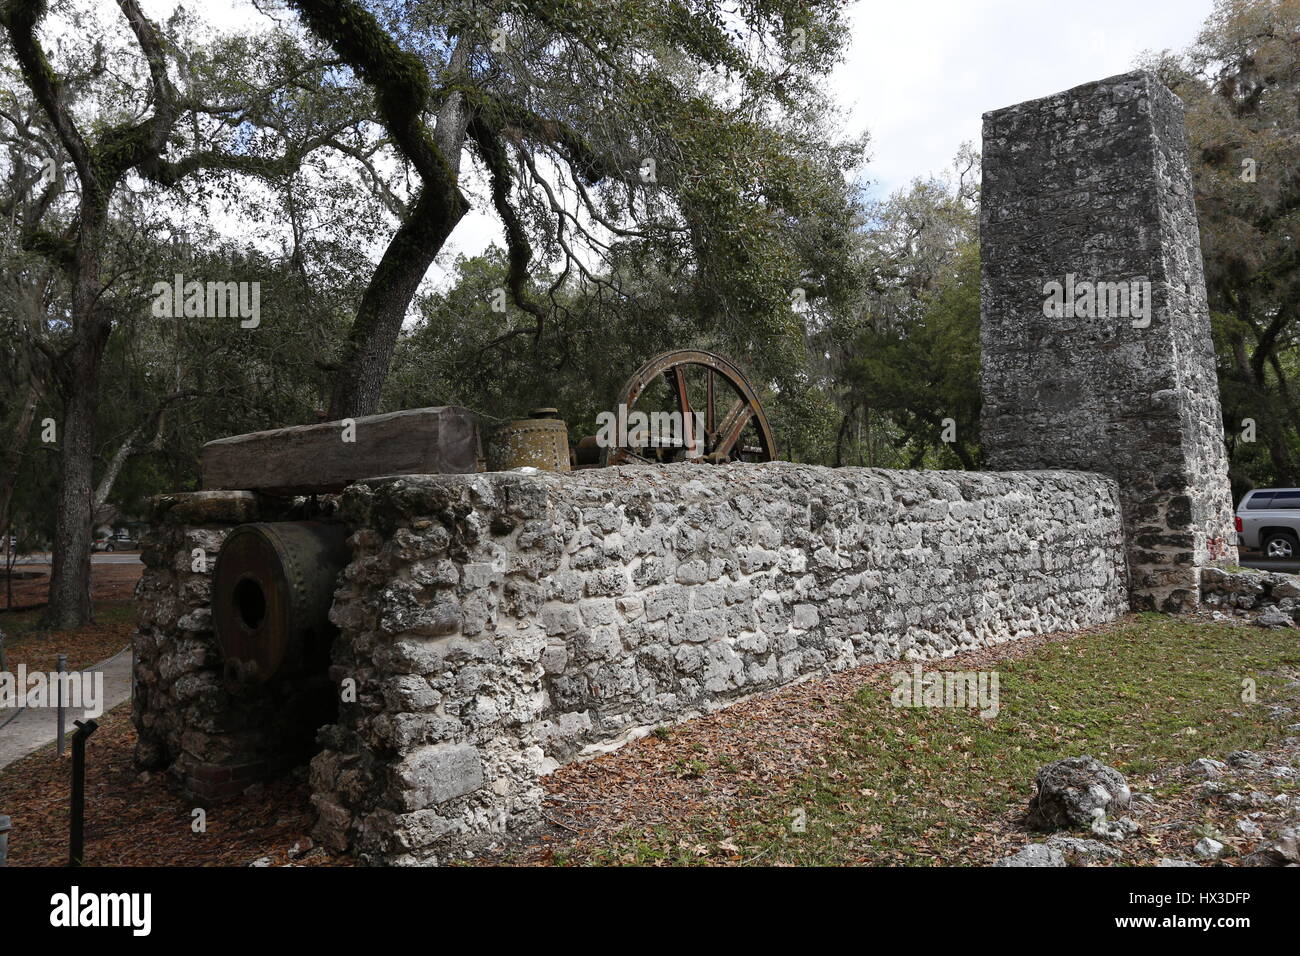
[{"x": 250, "y": 603}]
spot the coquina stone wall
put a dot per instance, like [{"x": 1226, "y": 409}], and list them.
[
  {"x": 495, "y": 626},
  {"x": 1093, "y": 185}
]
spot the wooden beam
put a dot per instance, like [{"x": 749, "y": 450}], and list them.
[{"x": 311, "y": 459}]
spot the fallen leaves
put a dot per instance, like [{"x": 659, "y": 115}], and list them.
[
  {"x": 826, "y": 772},
  {"x": 134, "y": 820}
]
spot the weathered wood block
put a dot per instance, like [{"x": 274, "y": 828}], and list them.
[{"x": 311, "y": 459}]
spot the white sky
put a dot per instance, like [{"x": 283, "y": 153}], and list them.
[{"x": 920, "y": 73}]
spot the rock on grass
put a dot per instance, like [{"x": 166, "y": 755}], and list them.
[{"x": 1071, "y": 791}]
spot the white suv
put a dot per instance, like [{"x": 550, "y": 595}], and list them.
[{"x": 1268, "y": 520}]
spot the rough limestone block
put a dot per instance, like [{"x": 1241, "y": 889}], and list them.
[
  {"x": 439, "y": 773},
  {"x": 1094, "y": 185}
]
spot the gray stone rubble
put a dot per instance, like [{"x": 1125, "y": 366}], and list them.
[{"x": 1077, "y": 792}]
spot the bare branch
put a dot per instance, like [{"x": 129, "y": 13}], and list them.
[{"x": 20, "y": 18}]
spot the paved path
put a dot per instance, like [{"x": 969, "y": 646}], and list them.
[
  {"x": 24, "y": 729},
  {"x": 99, "y": 557}
]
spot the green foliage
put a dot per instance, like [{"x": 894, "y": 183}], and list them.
[
  {"x": 257, "y": 109},
  {"x": 1241, "y": 85},
  {"x": 908, "y": 354},
  {"x": 464, "y": 352},
  {"x": 690, "y": 140},
  {"x": 233, "y": 380},
  {"x": 752, "y": 206},
  {"x": 926, "y": 374}
]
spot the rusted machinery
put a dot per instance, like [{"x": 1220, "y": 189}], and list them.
[
  {"x": 271, "y": 593},
  {"x": 539, "y": 441},
  {"x": 693, "y": 385},
  {"x": 274, "y": 581}
]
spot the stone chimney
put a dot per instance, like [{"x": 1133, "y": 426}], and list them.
[{"x": 1095, "y": 331}]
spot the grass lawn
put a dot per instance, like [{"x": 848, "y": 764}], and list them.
[{"x": 921, "y": 786}]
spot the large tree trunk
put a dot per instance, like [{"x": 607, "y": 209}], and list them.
[
  {"x": 360, "y": 378},
  {"x": 77, "y": 374},
  {"x": 100, "y": 167},
  {"x": 70, "y": 574},
  {"x": 402, "y": 96}
]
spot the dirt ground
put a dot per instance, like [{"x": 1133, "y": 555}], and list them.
[
  {"x": 113, "y": 593},
  {"x": 110, "y": 583},
  {"x": 768, "y": 741},
  {"x": 132, "y": 819},
  {"x": 695, "y": 779}
]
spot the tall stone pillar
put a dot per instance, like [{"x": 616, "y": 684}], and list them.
[{"x": 1095, "y": 337}]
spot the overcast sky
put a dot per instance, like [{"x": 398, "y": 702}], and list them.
[{"x": 920, "y": 73}]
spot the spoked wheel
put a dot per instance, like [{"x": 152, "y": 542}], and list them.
[{"x": 719, "y": 417}]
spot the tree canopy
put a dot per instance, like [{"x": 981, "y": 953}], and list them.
[{"x": 658, "y": 174}]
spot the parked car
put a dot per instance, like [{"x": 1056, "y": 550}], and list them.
[
  {"x": 117, "y": 542},
  {"x": 1268, "y": 520}
]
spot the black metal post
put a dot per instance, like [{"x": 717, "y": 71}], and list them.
[
  {"x": 4, "y": 840},
  {"x": 62, "y": 668},
  {"x": 77, "y": 837}
]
